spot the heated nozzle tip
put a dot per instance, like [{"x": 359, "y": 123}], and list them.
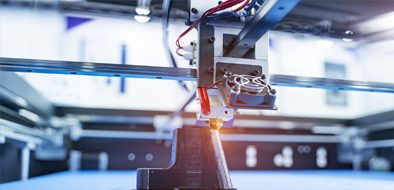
[{"x": 215, "y": 123}]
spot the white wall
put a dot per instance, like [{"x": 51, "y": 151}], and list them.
[
  {"x": 42, "y": 35},
  {"x": 292, "y": 55},
  {"x": 378, "y": 64}
]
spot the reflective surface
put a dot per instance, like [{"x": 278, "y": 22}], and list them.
[
  {"x": 134, "y": 71},
  {"x": 242, "y": 180}
]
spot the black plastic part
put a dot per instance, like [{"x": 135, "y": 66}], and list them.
[
  {"x": 193, "y": 164},
  {"x": 205, "y": 55}
]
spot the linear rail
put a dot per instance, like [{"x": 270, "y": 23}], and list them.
[{"x": 170, "y": 73}]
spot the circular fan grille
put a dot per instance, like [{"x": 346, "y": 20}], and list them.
[{"x": 247, "y": 83}]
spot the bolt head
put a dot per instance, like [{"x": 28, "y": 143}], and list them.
[
  {"x": 273, "y": 91},
  {"x": 194, "y": 10},
  {"x": 212, "y": 39}
]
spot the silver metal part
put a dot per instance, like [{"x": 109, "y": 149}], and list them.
[
  {"x": 95, "y": 69},
  {"x": 267, "y": 17},
  {"x": 7, "y": 133},
  {"x": 74, "y": 162},
  {"x": 25, "y": 162},
  {"x": 218, "y": 108},
  {"x": 261, "y": 51},
  {"x": 224, "y": 137},
  {"x": 103, "y": 161},
  {"x": 330, "y": 84},
  {"x": 130, "y": 71},
  {"x": 247, "y": 91},
  {"x": 198, "y": 8}
]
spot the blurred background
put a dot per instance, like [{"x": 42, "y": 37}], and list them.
[{"x": 112, "y": 123}]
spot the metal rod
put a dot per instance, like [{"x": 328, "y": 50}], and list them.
[
  {"x": 330, "y": 84},
  {"x": 16, "y": 90},
  {"x": 266, "y": 18},
  {"x": 224, "y": 137},
  {"x": 92, "y": 114},
  {"x": 379, "y": 144},
  {"x": 18, "y": 128},
  {"x": 124, "y": 134},
  {"x": 185, "y": 74},
  {"x": 25, "y": 162},
  {"x": 96, "y": 69},
  {"x": 281, "y": 138},
  {"x": 19, "y": 137}
]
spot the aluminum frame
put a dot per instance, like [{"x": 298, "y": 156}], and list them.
[{"x": 185, "y": 74}]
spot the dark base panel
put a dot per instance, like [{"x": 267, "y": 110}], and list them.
[
  {"x": 133, "y": 154},
  {"x": 304, "y": 155},
  {"x": 10, "y": 164},
  {"x": 124, "y": 154},
  {"x": 38, "y": 167}
]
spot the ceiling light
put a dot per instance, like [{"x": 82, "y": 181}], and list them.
[
  {"x": 347, "y": 39},
  {"x": 142, "y": 10},
  {"x": 142, "y": 18}
]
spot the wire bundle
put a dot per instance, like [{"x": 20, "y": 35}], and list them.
[{"x": 225, "y": 5}]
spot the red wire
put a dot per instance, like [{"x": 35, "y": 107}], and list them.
[
  {"x": 242, "y": 6},
  {"x": 204, "y": 100},
  {"x": 222, "y": 6}
]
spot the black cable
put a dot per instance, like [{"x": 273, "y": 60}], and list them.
[
  {"x": 167, "y": 4},
  {"x": 182, "y": 109}
]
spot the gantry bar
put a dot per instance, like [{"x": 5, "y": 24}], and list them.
[
  {"x": 96, "y": 69},
  {"x": 265, "y": 19},
  {"x": 330, "y": 84},
  {"x": 170, "y": 73},
  {"x": 89, "y": 133}
]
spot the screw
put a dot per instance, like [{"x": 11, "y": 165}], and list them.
[
  {"x": 255, "y": 72},
  {"x": 210, "y": 69},
  {"x": 273, "y": 91},
  {"x": 236, "y": 89},
  {"x": 188, "y": 23},
  {"x": 194, "y": 10},
  {"x": 212, "y": 39},
  {"x": 263, "y": 76},
  {"x": 224, "y": 69}
]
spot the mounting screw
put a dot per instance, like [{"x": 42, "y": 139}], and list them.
[
  {"x": 224, "y": 69},
  {"x": 263, "y": 76},
  {"x": 236, "y": 89},
  {"x": 273, "y": 91},
  {"x": 194, "y": 11},
  {"x": 188, "y": 23},
  {"x": 210, "y": 70},
  {"x": 212, "y": 39},
  {"x": 255, "y": 72}
]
